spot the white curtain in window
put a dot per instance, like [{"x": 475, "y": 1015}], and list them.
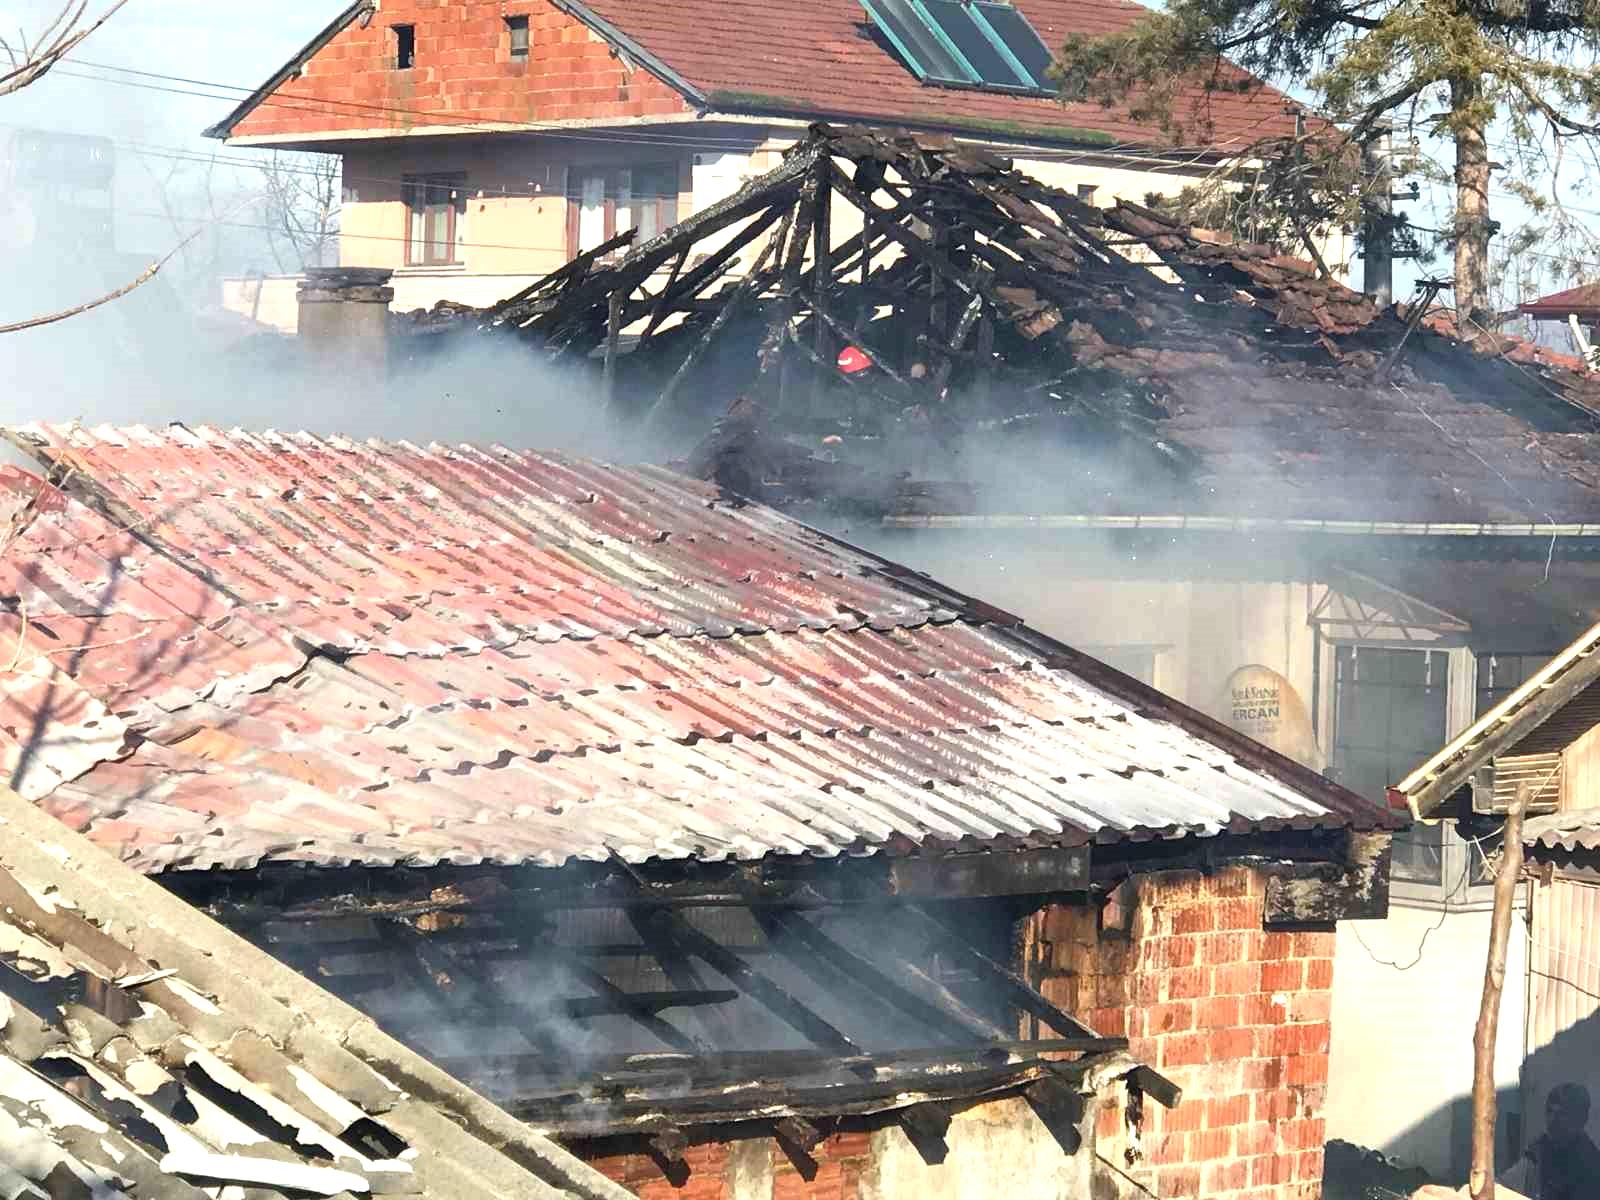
[{"x": 592, "y": 213}]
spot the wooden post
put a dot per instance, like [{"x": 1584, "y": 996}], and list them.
[
  {"x": 822, "y": 273},
  {"x": 1481, "y": 1180},
  {"x": 613, "y": 332}
]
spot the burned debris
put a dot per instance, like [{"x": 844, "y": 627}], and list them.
[{"x": 898, "y": 313}]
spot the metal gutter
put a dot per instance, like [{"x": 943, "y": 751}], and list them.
[
  {"x": 652, "y": 63},
  {"x": 290, "y": 69},
  {"x": 1247, "y": 525}
]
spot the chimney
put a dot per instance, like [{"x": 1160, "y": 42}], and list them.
[{"x": 344, "y": 316}]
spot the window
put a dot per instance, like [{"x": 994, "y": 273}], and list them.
[
  {"x": 1501, "y": 674},
  {"x": 1390, "y": 713},
  {"x": 405, "y": 47},
  {"x": 518, "y": 27},
  {"x": 434, "y": 204},
  {"x": 1086, "y": 192},
  {"x": 971, "y": 43},
  {"x": 605, "y": 201}
]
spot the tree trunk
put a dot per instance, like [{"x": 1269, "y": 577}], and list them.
[
  {"x": 1481, "y": 1180},
  {"x": 1470, "y": 121}
]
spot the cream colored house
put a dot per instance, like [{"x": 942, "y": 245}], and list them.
[{"x": 485, "y": 144}]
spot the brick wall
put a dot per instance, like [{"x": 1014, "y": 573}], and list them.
[
  {"x": 463, "y": 70},
  {"x": 726, "y": 1171},
  {"x": 1236, "y": 1016}
]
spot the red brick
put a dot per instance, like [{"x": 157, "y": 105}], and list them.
[
  {"x": 1189, "y": 1116},
  {"x": 1262, "y": 1009},
  {"x": 1308, "y": 1068},
  {"x": 1175, "y": 1182},
  {"x": 1183, "y": 1049},
  {"x": 1174, "y": 1017},
  {"x": 1108, "y": 1122},
  {"x": 1308, "y": 1167},
  {"x": 1319, "y": 973},
  {"x": 1225, "y": 1112},
  {"x": 1269, "y": 947},
  {"x": 1261, "y": 1075},
  {"x": 1258, "y": 1137},
  {"x": 1277, "y": 1106},
  {"x": 1241, "y": 979},
  {"x": 1311, "y": 1006},
  {"x": 1287, "y": 976},
  {"x": 1303, "y": 1134},
  {"x": 1238, "y": 914},
  {"x": 1220, "y": 949},
  {"x": 1285, "y": 1041},
  {"x": 1167, "y": 1148},
  {"x": 1313, "y": 1097},
  {"x": 1313, "y": 945},
  {"x": 1274, "y": 1169},
  {"x": 1189, "y": 983},
  {"x": 1196, "y": 918},
  {"x": 1225, "y": 1044},
  {"x": 1171, "y": 953},
  {"x": 1237, "y": 881},
  {"x": 1219, "y": 1012},
  {"x": 1221, "y": 1177},
  {"x": 1209, "y": 1144}
]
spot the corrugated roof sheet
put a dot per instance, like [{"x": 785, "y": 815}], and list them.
[
  {"x": 1576, "y": 829},
  {"x": 340, "y": 652},
  {"x": 147, "y": 1052}
]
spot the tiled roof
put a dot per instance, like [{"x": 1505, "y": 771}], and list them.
[
  {"x": 341, "y": 652},
  {"x": 1583, "y": 300},
  {"x": 146, "y": 1052},
  {"x": 818, "y": 58}
]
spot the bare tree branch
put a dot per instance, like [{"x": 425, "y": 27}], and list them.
[
  {"x": 145, "y": 276},
  {"x": 31, "y": 61}
]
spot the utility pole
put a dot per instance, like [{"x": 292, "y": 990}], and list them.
[{"x": 1378, "y": 207}]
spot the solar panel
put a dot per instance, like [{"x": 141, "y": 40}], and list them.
[
  {"x": 924, "y": 53},
  {"x": 965, "y": 28},
  {"x": 1026, "y": 46}
]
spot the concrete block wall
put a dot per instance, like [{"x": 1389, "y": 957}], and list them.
[
  {"x": 463, "y": 68},
  {"x": 1236, "y": 1016}
]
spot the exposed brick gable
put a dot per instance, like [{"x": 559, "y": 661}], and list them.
[
  {"x": 1236, "y": 1016},
  {"x": 463, "y": 74}
]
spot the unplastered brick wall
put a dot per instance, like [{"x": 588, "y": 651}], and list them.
[
  {"x": 462, "y": 73},
  {"x": 1235, "y": 1015},
  {"x": 748, "y": 1169}
]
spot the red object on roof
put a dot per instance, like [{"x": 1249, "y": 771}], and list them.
[
  {"x": 812, "y": 60},
  {"x": 356, "y": 653},
  {"x": 1582, "y": 302},
  {"x": 853, "y": 360}
]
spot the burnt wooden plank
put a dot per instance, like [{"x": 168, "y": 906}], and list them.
[
  {"x": 1015, "y": 987},
  {"x": 774, "y": 997},
  {"x": 946, "y": 1015}
]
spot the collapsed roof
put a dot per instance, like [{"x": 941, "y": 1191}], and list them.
[
  {"x": 926, "y": 330},
  {"x": 236, "y": 648},
  {"x": 147, "y": 1052}
]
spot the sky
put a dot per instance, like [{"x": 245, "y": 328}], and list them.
[{"x": 238, "y": 43}]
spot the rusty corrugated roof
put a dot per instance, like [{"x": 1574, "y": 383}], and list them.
[{"x": 247, "y": 647}]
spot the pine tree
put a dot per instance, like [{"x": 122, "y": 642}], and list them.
[{"x": 1449, "y": 68}]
